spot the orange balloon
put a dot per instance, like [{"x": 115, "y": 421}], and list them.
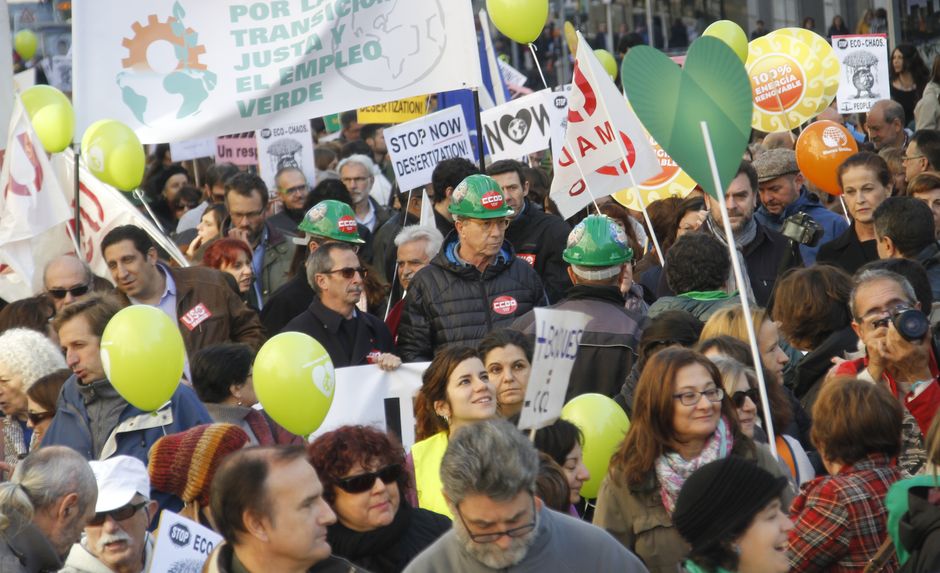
[{"x": 820, "y": 150}]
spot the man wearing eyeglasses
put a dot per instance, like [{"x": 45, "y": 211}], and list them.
[
  {"x": 66, "y": 279},
  {"x": 116, "y": 538},
  {"x": 292, "y": 188},
  {"x": 475, "y": 283},
  {"x": 351, "y": 337},
  {"x": 488, "y": 475},
  {"x": 356, "y": 173}
]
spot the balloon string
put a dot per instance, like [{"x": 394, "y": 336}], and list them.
[
  {"x": 537, "y": 66},
  {"x": 844, "y": 210}
]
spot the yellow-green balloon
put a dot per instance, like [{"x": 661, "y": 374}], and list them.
[
  {"x": 142, "y": 353},
  {"x": 52, "y": 116},
  {"x": 731, "y": 34},
  {"x": 24, "y": 42},
  {"x": 519, "y": 20},
  {"x": 603, "y": 424},
  {"x": 608, "y": 61},
  {"x": 294, "y": 381},
  {"x": 113, "y": 154}
]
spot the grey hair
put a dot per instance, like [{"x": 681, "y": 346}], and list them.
[
  {"x": 320, "y": 261},
  {"x": 731, "y": 371},
  {"x": 413, "y": 233},
  {"x": 361, "y": 159},
  {"x": 872, "y": 275},
  {"x": 30, "y": 354},
  {"x": 892, "y": 111},
  {"x": 41, "y": 480},
  {"x": 490, "y": 458},
  {"x": 89, "y": 274}
]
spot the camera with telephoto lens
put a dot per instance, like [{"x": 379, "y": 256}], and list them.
[
  {"x": 911, "y": 324},
  {"x": 802, "y": 229}
]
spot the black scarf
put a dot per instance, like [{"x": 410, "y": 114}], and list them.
[{"x": 378, "y": 550}]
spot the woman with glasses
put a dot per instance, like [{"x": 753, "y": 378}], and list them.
[
  {"x": 456, "y": 392},
  {"x": 41, "y": 400},
  {"x": 681, "y": 421},
  {"x": 25, "y": 357},
  {"x": 363, "y": 477}
]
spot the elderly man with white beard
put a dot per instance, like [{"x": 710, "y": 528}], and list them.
[{"x": 116, "y": 539}]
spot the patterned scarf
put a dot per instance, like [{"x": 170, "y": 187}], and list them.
[{"x": 672, "y": 469}]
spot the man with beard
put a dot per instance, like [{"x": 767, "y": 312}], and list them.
[
  {"x": 488, "y": 475},
  {"x": 358, "y": 175},
  {"x": 350, "y": 337},
  {"x": 763, "y": 249}
]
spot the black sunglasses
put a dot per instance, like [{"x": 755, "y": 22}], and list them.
[
  {"x": 364, "y": 482},
  {"x": 119, "y": 514},
  {"x": 74, "y": 291},
  {"x": 37, "y": 417},
  {"x": 738, "y": 397},
  {"x": 349, "y": 272}
]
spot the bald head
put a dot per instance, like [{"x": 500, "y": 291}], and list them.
[
  {"x": 63, "y": 279},
  {"x": 831, "y": 114},
  {"x": 885, "y": 124},
  {"x": 779, "y": 140}
]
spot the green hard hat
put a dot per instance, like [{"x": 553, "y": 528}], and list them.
[
  {"x": 597, "y": 241},
  {"x": 479, "y": 197},
  {"x": 331, "y": 219}
]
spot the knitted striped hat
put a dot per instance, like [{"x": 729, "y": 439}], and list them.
[{"x": 183, "y": 464}]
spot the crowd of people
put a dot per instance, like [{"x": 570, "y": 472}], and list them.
[{"x": 820, "y": 452}]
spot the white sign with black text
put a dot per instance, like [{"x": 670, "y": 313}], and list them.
[
  {"x": 416, "y": 147},
  {"x": 193, "y": 149},
  {"x": 519, "y": 127},
  {"x": 285, "y": 145},
  {"x": 557, "y": 336},
  {"x": 863, "y": 60},
  {"x": 182, "y": 544}
]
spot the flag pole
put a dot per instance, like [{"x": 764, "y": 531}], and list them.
[
  {"x": 745, "y": 304},
  {"x": 77, "y": 201},
  {"x": 476, "y": 110}
]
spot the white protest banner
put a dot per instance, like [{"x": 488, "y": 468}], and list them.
[
  {"x": 6, "y": 71},
  {"x": 285, "y": 145},
  {"x": 180, "y": 69},
  {"x": 511, "y": 75},
  {"x": 24, "y": 80},
  {"x": 605, "y": 143},
  {"x": 370, "y": 396},
  {"x": 181, "y": 544},
  {"x": 518, "y": 127},
  {"x": 58, "y": 70},
  {"x": 864, "y": 62},
  {"x": 558, "y": 116},
  {"x": 557, "y": 335},
  {"x": 193, "y": 149},
  {"x": 416, "y": 147},
  {"x": 238, "y": 149}
]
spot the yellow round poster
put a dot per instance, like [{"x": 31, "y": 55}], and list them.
[
  {"x": 830, "y": 63},
  {"x": 672, "y": 181},
  {"x": 784, "y": 74}
]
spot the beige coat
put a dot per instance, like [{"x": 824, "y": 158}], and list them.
[{"x": 637, "y": 518}]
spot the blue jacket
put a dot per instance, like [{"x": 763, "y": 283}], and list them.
[
  {"x": 832, "y": 223},
  {"x": 136, "y": 430}
]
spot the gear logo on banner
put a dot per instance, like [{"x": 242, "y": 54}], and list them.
[{"x": 164, "y": 56}]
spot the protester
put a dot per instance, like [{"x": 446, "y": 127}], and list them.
[
  {"x": 730, "y": 321},
  {"x": 456, "y": 391},
  {"x": 383, "y": 244},
  {"x": 895, "y": 159},
  {"x": 213, "y": 184},
  {"x": 65, "y": 279},
  {"x": 927, "y": 110},
  {"x": 357, "y": 173},
  {"x": 697, "y": 269},
  {"x": 507, "y": 356},
  {"x": 909, "y": 77},
  {"x": 904, "y": 228},
  {"x": 416, "y": 246},
  {"x": 731, "y": 513},
  {"x": 26, "y": 356},
  {"x": 92, "y": 418},
  {"x": 885, "y": 125},
  {"x": 207, "y": 231},
  {"x": 762, "y": 250},
  {"x": 33, "y": 313},
  {"x": 922, "y": 154},
  {"x": 41, "y": 400},
  {"x": 538, "y": 239},
  {"x": 597, "y": 255},
  {"x": 475, "y": 284},
  {"x": 681, "y": 421},
  {"x": 664, "y": 216},
  {"x": 292, "y": 190},
  {"x": 551, "y": 485},
  {"x": 782, "y": 194},
  {"x": 363, "y": 477},
  {"x": 926, "y": 187},
  {"x": 837, "y": 28},
  {"x": 116, "y": 538},
  {"x": 633, "y": 292},
  {"x": 488, "y": 477},
  {"x": 233, "y": 257},
  {"x": 865, "y": 181},
  {"x": 198, "y": 299},
  {"x": 562, "y": 441},
  {"x": 223, "y": 381},
  {"x": 839, "y": 519},
  {"x": 268, "y": 504}
]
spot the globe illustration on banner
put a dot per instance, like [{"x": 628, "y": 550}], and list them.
[
  {"x": 833, "y": 137},
  {"x": 395, "y": 52},
  {"x": 163, "y": 57}
]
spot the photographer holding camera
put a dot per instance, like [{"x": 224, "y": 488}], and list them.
[
  {"x": 898, "y": 349},
  {"x": 783, "y": 195}
]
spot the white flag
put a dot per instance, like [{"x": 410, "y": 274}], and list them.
[
  {"x": 32, "y": 209},
  {"x": 6, "y": 74},
  {"x": 602, "y": 131},
  {"x": 427, "y": 211}
]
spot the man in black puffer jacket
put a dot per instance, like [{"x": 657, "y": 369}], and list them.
[{"x": 475, "y": 284}]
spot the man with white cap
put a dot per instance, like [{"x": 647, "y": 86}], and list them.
[{"x": 116, "y": 539}]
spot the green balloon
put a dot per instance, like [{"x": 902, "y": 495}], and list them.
[
  {"x": 672, "y": 102},
  {"x": 142, "y": 353},
  {"x": 518, "y": 20},
  {"x": 113, "y": 154},
  {"x": 294, "y": 381},
  {"x": 731, "y": 34},
  {"x": 52, "y": 116},
  {"x": 608, "y": 61},
  {"x": 25, "y": 43},
  {"x": 604, "y": 425}
]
